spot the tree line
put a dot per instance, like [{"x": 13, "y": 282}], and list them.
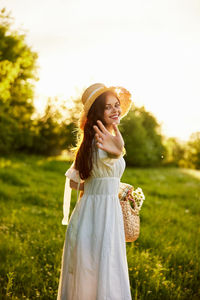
[{"x": 23, "y": 130}]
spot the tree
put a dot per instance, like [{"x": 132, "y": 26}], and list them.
[
  {"x": 175, "y": 152},
  {"x": 17, "y": 75},
  {"x": 52, "y": 132},
  {"x": 143, "y": 141},
  {"x": 193, "y": 152}
]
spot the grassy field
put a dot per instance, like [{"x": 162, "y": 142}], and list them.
[{"x": 163, "y": 262}]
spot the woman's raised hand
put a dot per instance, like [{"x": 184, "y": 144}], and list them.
[{"x": 106, "y": 141}]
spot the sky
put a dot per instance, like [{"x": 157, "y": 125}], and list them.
[{"x": 151, "y": 47}]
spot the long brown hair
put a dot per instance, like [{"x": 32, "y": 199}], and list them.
[{"x": 83, "y": 154}]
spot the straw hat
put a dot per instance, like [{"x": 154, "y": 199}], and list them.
[{"x": 95, "y": 90}]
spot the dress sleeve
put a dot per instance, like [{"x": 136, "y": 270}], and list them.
[
  {"x": 73, "y": 174},
  {"x": 108, "y": 158}
]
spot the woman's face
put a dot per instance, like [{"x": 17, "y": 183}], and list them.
[{"x": 112, "y": 111}]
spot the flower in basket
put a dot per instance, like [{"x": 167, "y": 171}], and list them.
[{"x": 136, "y": 197}]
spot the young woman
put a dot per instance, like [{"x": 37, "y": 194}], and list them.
[{"x": 94, "y": 263}]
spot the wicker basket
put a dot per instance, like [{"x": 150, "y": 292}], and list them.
[{"x": 130, "y": 216}]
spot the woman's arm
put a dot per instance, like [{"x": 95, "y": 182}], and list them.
[{"x": 74, "y": 185}]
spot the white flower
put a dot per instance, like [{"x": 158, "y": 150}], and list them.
[{"x": 138, "y": 197}]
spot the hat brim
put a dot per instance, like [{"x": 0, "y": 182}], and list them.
[{"x": 124, "y": 98}]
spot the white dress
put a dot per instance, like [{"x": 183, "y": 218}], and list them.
[{"x": 94, "y": 262}]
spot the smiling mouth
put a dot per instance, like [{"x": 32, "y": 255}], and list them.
[{"x": 114, "y": 117}]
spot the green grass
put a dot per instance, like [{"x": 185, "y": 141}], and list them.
[{"x": 163, "y": 262}]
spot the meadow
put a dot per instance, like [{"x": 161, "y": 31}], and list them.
[{"x": 163, "y": 262}]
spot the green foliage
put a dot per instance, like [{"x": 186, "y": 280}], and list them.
[
  {"x": 175, "y": 151},
  {"x": 193, "y": 150},
  {"x": 51, "y": 133},
  {"x": 143, "y": 143},
  {"x": 163, "y": 262},
  {"x": 17, "y": 74},
  {"x": 183, "y": 154}
]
